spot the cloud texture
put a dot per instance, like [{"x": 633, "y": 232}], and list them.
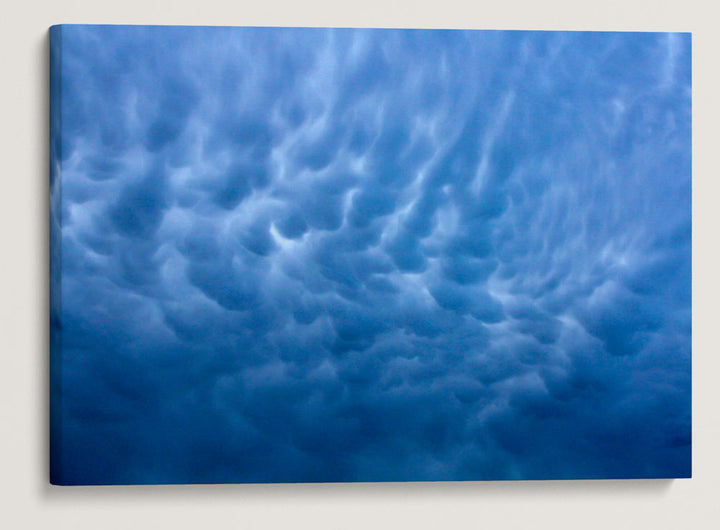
[{"x": 359, "y": 255}]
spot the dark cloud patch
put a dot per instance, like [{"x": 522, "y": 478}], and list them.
[
  {"x": 292, "y": 225},
  {"x": 257, "y": 238},
  {"x": 239, "y": 181},
  {"x": 406, "y": 253},
  {"x": 177, "y": 99},
  {"x": 468, "y": 270},
  {"x": 336, "y": 255},
  {"x": 246, "y": 132},
  {"x": 226, "y": 284},
  {"x": 621, "y": 320},
  {"x": 139, "y": 209},
  {"x": 368, "y": 205}
]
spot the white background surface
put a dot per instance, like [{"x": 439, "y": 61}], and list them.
[{"x": 26, "y": 498}]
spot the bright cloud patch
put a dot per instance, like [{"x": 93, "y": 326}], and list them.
[{"x": 340, "y": 255}]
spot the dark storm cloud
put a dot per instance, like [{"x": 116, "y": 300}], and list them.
[{"x": 309, "y": 255}]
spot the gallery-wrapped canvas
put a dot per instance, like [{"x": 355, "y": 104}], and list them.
[{"x": 332, "y": 255}]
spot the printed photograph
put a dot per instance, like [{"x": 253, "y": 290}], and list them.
[{"x": 362, "y": 255}]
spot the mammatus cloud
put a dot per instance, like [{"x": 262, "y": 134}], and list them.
[{"x": 339, "y": 255}]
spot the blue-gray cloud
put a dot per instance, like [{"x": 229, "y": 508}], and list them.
[{"x": 339, "y": 255}]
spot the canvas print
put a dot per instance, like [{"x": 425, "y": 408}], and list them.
[{"x": 339, "y": 255}]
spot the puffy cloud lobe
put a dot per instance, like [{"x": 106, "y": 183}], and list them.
[{"x": 333, "y": 255}]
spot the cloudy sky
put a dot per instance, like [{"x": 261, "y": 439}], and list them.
[{"x": 298, "y": 255}]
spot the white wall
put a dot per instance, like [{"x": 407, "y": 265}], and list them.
[{"x": 27, "y": 501}]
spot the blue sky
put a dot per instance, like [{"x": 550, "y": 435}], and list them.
[{"x": 356, "y": 255}]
